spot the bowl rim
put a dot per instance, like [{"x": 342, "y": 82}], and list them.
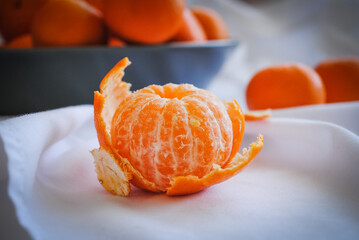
[{"x": 172, "y": 45}]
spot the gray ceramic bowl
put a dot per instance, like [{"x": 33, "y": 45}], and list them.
[{"x": 40, "y": 79}]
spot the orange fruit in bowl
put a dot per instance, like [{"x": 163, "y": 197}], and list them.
[
  {"x": 341, "y": 78},
  {"x": 212, "y": 23},
  {"x": 143, "y": 21},
  {"x": 114, "y": 41},
  {"x": 23, "y": 41},
  {"x": 285, "y": 85},
  {"x": 16, "y": 16},
  {"x": 190, "y": 30},
  {"x": 174, "y": 138},
  {"x": 67, "y": 23},
  {"x": 98, "y": 4}
]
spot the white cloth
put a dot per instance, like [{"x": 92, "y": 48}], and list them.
[{"x": 303, "y": 185}]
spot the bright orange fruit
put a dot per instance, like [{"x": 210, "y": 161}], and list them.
[
  {"x": 173, "y": 138},
  {"x": 22, "y": 41},
  {"x": 97, "y": 4},
  {"x": 212, "y": 23},
  {"x": 143, "y": 21},
  {"x": 341, "y": 78},
  {"x": 257, "y": 115},
  {"x": 67, "y": 23},
  {"x": 114, "y": 41},
  {"x": 16, "y": 16},
  {"x": 285, "y": 85},
  {"x": 190, "y": 30}
]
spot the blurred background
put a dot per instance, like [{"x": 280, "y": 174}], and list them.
[
  {"x": 63, "y": 68},
  {"x": 274, "y": 32}
]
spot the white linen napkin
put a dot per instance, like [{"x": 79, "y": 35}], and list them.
[{"x": 303, "y": 185}]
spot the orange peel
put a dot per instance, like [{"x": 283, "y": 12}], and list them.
[
  {"x": 256, "y": 115},
  {"x": 176, "y": 139},
  {"x": 191, "y": 184}
]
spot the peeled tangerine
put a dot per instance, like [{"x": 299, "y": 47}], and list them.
[{"x": 176, "y": 139}]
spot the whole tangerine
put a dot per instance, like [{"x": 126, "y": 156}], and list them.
[
  {"x": 16, "y": 16},
  {"x": 113, "y": 41},
  {"x": 143, "y": 21},
  {"x": 67, "y": 23},
  {"x": 191, "y": 30},
  {"x": 22, "y": 41},
  {"x": 213, "y": 24},
  {"x": 285, "y": 85},
  {"x": 341, "y": 78},
  {"x": 174, "y": 138},
  {"x": 98, "y": 4}
]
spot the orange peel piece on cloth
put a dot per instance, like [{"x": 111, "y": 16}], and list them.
[
  {"x": 256, "y": 115},
  {"x": 177, "y": 139}
]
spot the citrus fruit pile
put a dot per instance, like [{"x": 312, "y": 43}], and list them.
[
  {"x": 61, "y": 23},
  {"x": 174, "y": 138},
  {"x": 296, "y": 84}
]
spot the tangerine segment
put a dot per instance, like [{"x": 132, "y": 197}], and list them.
[
  {"x": 224, "y": 121},
  {"x": 190, "y": 184},
  {"x": 171, "y": 131},
  {"x": 136, "y": 177}
]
